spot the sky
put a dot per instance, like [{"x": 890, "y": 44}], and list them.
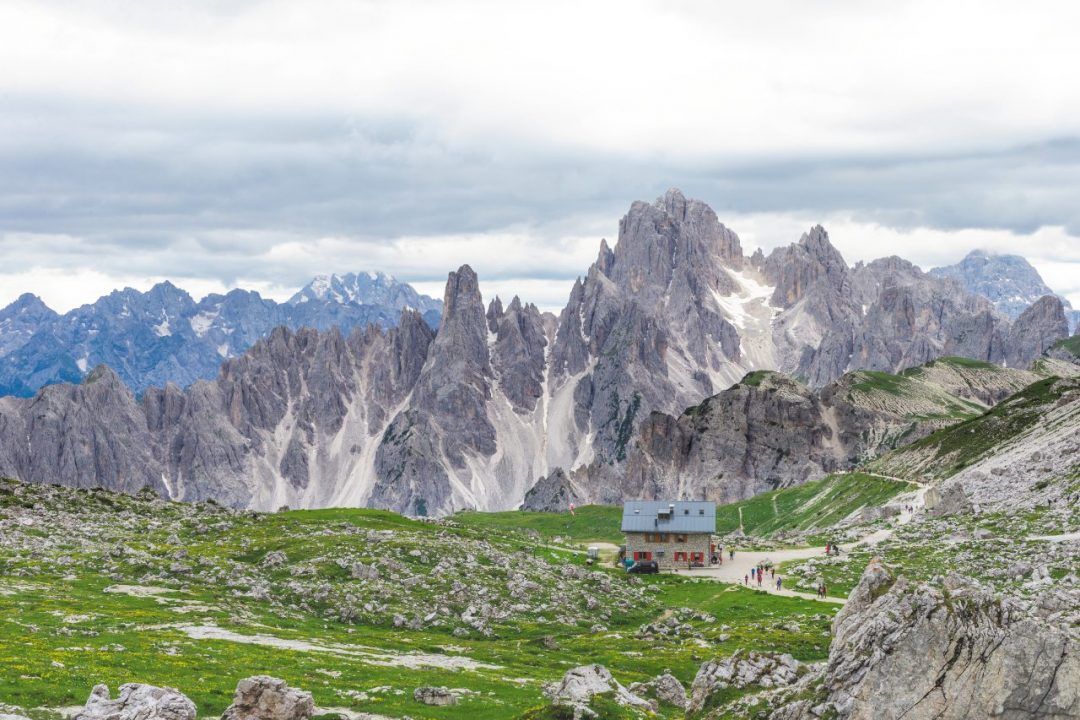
[{"x": 250, "y": 143}]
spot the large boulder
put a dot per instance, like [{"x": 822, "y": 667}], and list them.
[
  {"x": 581, "y": 684},
  {"x": 664, "y": 688},
  {"x": 434, "y": 696},
  {"x": 265, "y": 698},
  {"x": 952, "y": 501},
  {"x": 948, "y": 652},
  {"x": 137, "y": 702}
]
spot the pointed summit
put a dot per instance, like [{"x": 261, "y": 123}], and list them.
[
  {"x": 605, "y": 257},
  {"x": 462, "y": 289},
  {"x": 673, "y": 202}
]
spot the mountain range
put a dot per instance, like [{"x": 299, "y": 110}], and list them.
[
  {"x": 1008, "y": 281},
  {"x": 427, "y": 421},
  {"x": 163, "y": 335}
]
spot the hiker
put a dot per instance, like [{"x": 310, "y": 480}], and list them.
[
  {"x": 752, "y": 571},
  {"x": 824, "y": 590},
  {"x": 745, "y": 579},
  {"x": 773, "y": 571},
  {"x": 828, "y": 547},
  {"x": 759, "y": 579},
  {"x": 779, "y": 583},
  {"x": 731, "y": 554}
]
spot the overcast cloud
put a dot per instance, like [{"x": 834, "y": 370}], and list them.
[{"x": 255, "y": 144}]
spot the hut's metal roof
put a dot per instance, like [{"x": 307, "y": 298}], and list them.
[{"x": 679, "y": 516}]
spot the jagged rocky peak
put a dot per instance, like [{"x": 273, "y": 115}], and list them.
[
  {"x": 463, "y": 332},
  {"x": 21, "y": 319},
  {"x": 519, "y": 353},
  {"x": 798, "y": 268},
  {"x": 1010, "y": 282},
  {"x": 1036, "y": 330},
  {"x": 365, "y": 288},
  {"x": 28, "y": 304},
  {"x": 672, "y": 232}
]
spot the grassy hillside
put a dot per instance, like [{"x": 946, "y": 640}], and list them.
[
  {"x": 814, "y": 505},
  {"x": 950, "y": 450},
  {"x": 589, "y": 523},
  {"x": 359, "y": 607}
]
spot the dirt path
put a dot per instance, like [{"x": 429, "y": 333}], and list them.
[{"x": 737, "y": 570}]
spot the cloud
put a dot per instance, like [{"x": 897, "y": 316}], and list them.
[{"x": 257, "y": 143}]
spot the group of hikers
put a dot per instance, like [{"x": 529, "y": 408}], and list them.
[{"x": 758, "y": 574}]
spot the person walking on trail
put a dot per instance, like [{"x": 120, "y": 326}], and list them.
[
  {"x": 731, "y": 554},
  {"x": 745, "y": 579},
  {"x": 828, "y": 547},
  {"x": 779, "y": 583},
  {"x": 752, "y": 571},
  {"x": 759, "y": 579},
  {"x": 772, "y": 572}
]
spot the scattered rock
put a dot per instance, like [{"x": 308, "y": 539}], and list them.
[{"x": 275, "y": 558}]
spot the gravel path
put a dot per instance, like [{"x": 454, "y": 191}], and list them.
[{"x": 736, "y": 570}]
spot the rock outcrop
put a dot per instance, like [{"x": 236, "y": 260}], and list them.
[
  {"x": 740, "y": 670},
  {"x": 552, "y": 493},
  {"x": 664, "y": 688},
  {"x": 954, "y": 652},
  {"x": 137, "y": 702},
  {"x": 579, "y": 685},
  {"x": 266, "y": 698}
]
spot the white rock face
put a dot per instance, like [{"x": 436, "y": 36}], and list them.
[
  {"x": 137, "y": 702},
  {"x": 265, "y": 698}
]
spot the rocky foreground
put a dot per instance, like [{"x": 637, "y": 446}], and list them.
[{"x": 947, "y": 651}]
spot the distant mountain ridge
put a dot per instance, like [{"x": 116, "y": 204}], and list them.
[
  {"x": 469, "y": 416},
  {"x": 164, "y": 336},
  {"x": 1008, "y": 281}
]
